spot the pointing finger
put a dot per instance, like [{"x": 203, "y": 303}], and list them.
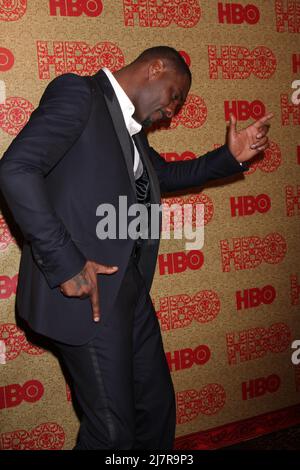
[
  {"x": 95, "y": 303},
  {"x": 260, "y": 122}
]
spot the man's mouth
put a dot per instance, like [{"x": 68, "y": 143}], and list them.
[
  {"x": 162, "y": 116},
  {"x": 158, "y": 115}
]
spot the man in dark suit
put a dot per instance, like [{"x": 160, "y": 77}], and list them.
[{"x": 84, "y": 146}]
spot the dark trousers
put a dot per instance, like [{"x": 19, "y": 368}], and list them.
[{"x": 121, "y": 378}]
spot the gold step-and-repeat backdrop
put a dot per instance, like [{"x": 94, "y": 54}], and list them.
[{"x": 230, "y": 311}]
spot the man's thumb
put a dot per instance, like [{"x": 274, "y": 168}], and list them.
[
  {"x": 104, "y": 269},
  {"x": 232, "y": 123}
]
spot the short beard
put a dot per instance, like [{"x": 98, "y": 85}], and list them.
[{"x": 147, "y": 123}]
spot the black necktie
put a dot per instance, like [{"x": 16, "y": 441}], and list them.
[{"x": 142, "y": 183}]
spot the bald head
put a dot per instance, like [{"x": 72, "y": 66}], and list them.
[
  {"x": 167, "y": 54},
  {"x": 157, "y": 82}
]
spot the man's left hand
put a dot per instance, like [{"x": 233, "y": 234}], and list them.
[{"x": 248, "y": 142}]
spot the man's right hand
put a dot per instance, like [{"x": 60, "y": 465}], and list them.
[{"x": 85, "y": 284}]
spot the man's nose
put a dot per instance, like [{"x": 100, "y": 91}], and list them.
[{"x": 170, "y": 110}]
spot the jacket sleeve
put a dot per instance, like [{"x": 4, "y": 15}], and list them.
[
  {"x": 173, "y": 176},
  {"x": 51, "y": 130}
]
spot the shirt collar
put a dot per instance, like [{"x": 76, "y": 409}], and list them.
[{"x": 126, "y": 105}]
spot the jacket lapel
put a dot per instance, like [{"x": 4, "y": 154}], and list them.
[
  {"x": 120, "y": 127},
  {"x": 118, "y": 121},
  {"x": 154, "y": 187},
  {"x": 154, "y": 183}
]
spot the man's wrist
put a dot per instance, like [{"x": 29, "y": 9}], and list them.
[{"x": 241, "y": 164}]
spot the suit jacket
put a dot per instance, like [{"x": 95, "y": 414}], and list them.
[{"x": 73, "y": 155}]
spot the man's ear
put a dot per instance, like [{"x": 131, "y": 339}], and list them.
[{"x": 156, "y": 68}]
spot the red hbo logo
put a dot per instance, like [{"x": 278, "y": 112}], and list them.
[
  {"x": 254, "y": 297},
  {"x": 295, "y": 290},
  {"x": 193, "y": 114},
  {"x": 75, "y": 7},
  {"x": 290, "y": 113},
  {"x": 255, "y": 343},
  {"x": 12, "y": 10},
  {"x": 174, "y": 218},
  {"x": 179, "y": 262},
  {"x": 16, "y": 342},
  {"x": 161, "y": 13},
  {"x": 186, "y": 358},
  {"x": 12, "y": 395},
  {"x": 250, "y": 252},
  {"x": 6, "y": 59},
  {"x": 77, "y": 57},
  {"x": 238, "y": 62},
  {"x": 208, "y": 401},
  {"x": 8, "y": 286},
  {"x": 248, "y": 205},
  {"x": 243, "y": 110},
  {"x": 236, "y": 13},
  {"x": 287, "y": 15},
  {"x": 292, "y": 199},
  {"x": 14, "y": 114},
  {"x": 260, "y": 386},
  {"x": 270, "y": 162},
  {"x": 179, "y": 311},
  {"x": 5, "y": 236},
  {"x": 45, "y": 436}
]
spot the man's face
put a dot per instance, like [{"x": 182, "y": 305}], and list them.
[{"x": 161, "y": 97}]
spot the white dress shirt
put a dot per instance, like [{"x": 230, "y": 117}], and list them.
[{"x": 132, "y": 125}]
